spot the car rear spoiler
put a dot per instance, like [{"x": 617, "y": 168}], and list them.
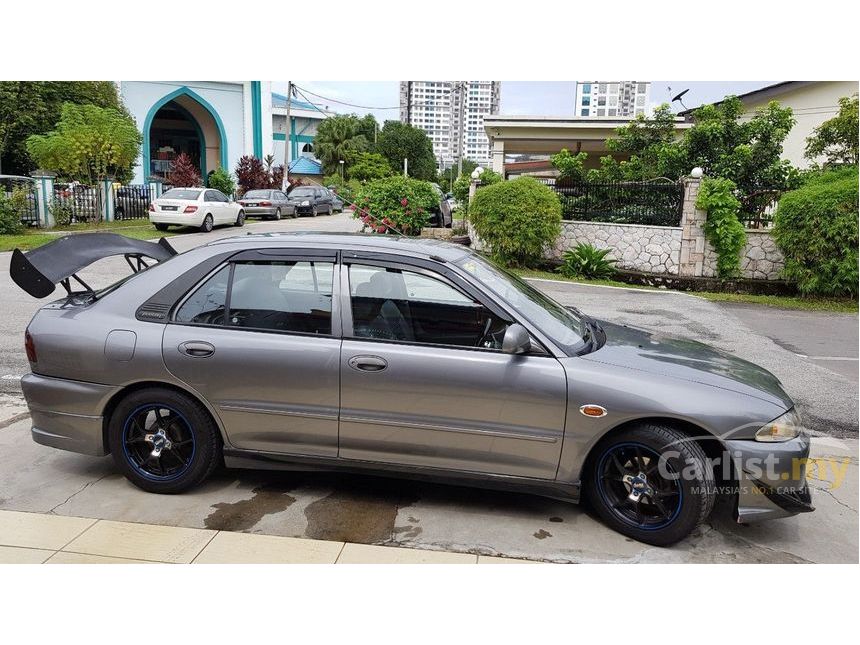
[{"x": 39, "y": 271}]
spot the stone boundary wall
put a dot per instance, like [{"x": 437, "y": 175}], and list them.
[
  {"x": 760, "y": 258},
  {"x": 667, "y": 250},
  {"x": 635, "y": 247}
]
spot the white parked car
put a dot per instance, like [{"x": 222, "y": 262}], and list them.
[{"x": 200, "y": 207}]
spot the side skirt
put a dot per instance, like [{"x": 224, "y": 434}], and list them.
[{"x": 252, "y": 459}]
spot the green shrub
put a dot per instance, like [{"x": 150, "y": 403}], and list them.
[
  {"x": 12, "y": 208},
  {"x": 586, "y": 261},
  {"x": 815, "y": 227},
  {"x": 396, "y": 204},
  {"x": 516, "y": 219},
  {"x": 63, "y": 213},
  {"x": 222, "y": 180},
  {"x": 723, "y": 229}
]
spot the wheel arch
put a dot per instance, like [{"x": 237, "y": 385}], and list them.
[
  {"x": 118, "y": 396},
  {"x": 711, "y": 444}
]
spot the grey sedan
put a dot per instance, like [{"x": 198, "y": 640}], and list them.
[
  {"x": 399, "y": 356},
  {"x": 268, "y": 204}
]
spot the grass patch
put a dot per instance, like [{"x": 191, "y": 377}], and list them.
[
  {"x": 835, "y": 305},
  {"x": 34, "y": 237}
]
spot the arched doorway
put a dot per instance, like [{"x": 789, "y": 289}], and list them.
[{"x": 181, "y": 122}]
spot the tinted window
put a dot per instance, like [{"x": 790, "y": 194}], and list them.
[
  {"x": 259, "y": 194},
  {"x": 279, "y": 195},
  {"x": 302, "y": 192},
  {"x": 557, "y": 321},
  {"x": 221, "y": 197},
  {"x": 206, "y": 304},
  {"x": 210, "y": 196},
  {"x": 282, "y": 296},
  {"x": 181, "y": 193},
  {"x": 393, "y": 304}
]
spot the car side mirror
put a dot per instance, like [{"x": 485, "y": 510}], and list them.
[{"x": 516, "y": 340}]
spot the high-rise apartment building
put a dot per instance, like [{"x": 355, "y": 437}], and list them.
[
  {"x": 452, "y": 114},
  {"x": 612, "y": 98}
]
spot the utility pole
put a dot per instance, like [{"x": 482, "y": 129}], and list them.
[
  {"x": 405, "y": 167},
  {"x": 462, "y": 89},
  {"x": 287, "y": 142}
]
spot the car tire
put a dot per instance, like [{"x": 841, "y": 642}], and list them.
[
  {"x": 668, "y": 508},
  {"x": 162, "y": 227},
  {"x": 189, "y": 445},
  {"x": 240, "y": 219},
  {"x": 277, "y": 215},
  {"x": 206, "y": 227},
  {"x": 314, "y": 211}
]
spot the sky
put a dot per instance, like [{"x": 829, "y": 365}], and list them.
[{"x": 538, "y": 98}]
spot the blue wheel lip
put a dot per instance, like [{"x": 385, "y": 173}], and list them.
[
  {"x": 600, "y": 463},
  {"x": 138, "y": 469}
]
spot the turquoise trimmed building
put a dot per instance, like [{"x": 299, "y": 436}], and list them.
[
  {"x": 214, "y": 122},
  {"x": 304, "y": 120}
]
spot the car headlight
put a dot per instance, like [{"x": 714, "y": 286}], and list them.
[
  {"x": 783, "y": 428},
  {"x": 306, "y": 203}
]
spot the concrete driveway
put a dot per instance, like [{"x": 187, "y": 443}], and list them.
[{"x": 439, "y": 517}]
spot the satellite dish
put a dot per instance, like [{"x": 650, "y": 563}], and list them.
[{"x": 678, "y": 97}]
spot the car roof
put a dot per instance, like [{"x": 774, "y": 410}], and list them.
[{"x": 429, "y": 247}]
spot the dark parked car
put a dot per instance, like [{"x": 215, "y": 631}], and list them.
[
  {"x": 336, "y": 201},
  {"x": 441, "y": 215},
  {"x": 268, "y": 204},
  {"x": 398, "y": 356},
  {"x": 311, "y": 200}
]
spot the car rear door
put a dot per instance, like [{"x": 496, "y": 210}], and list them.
[
  {"x": 260, "y": 340},
  {"x": 423, "y": 382}
]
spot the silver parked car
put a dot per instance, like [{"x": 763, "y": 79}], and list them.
[
  {"x": 268, "y": 204},
  {"x": 399, "y": 356}
]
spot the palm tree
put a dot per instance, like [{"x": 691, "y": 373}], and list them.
[{"x": 337, "y": 139}]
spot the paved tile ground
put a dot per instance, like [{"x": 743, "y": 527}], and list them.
[{"x": 36, "y": 538}]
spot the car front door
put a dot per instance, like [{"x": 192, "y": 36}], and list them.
[
  {"x": 424, "y": 382},
  {"x": 259, "y": 339}
]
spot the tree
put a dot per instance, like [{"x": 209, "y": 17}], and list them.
[
  {"x": 338, "y": 139},
  {"x": 33, "y": 107},
  {"x": 398, "y": 141},
  {"x": 221, "y": 179},
  {"x": 369, "y": 166},
  {"x": 837, "y": 139},
  {"x": 570, "y": 167},
  {"x": 184, "y": 173},
  {"x": 368, "y": 127},
  {"x": 88, "y": 144},
  {"x": 251, "y": 174}
]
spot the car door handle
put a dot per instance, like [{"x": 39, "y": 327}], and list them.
[
  {"x": 197, "y": 348},
  {"x": 368, "y": 363}
]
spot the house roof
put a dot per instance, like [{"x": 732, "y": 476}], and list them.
[
  {"x": 773, "y": 89},
  {"x": 279, "y": 101},
  {"x": 305, "y": 166}
]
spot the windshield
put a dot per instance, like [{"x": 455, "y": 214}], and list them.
[
  {"x": 181, "y": 193},
  {"x": 302, "y": 192},
  {"x": 257, "y": 193},
  {"x": 561, "y": 324}
]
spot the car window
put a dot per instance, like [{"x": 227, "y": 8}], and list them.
[
  {"x": 206, "y": 304},
  {"x": 282, "y": 296},
  {"x": 181, "y": 193},
  {"x": 302, "y": 192},
  {"x": 279, "y": 195},
  {"x": 221, "y": 197},
  {"x": 259, "y": 194},
  {"x": 402, "y": 305},
  {"x": 210, "y": 196}
]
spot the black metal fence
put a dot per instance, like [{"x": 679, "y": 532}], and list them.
[
  {"x": 649, "y": 203},
  {"x": 30, "y": 208},
  {"x": 75, "y": 203},
  {"x": 131, "y": 202},
  {"x": 758, "y": 208}
]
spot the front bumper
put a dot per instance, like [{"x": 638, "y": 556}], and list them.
[
  {"x": 771, "y": 478},
  {"x": 67, "y": 414}
]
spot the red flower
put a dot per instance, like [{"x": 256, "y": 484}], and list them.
[
  {"x": 387, "y": 221},
  {"x": 408, "y": 212},
  {"x": 380, "y": 229},
  {"x": 404, "y": 202}
]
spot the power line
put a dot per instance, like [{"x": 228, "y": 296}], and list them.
[{"x": 371, "y": 107}]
